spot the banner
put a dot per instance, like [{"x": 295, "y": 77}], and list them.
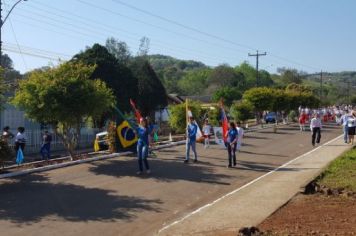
[{"x": 218, "y": 135}]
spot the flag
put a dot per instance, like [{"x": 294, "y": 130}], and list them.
[
  {"x": 199, "y": 135},
  {"x": 224, "y": 121},
  {"x": 126, "y": 136},
  {"x": 137, "y": 112},
  {"x": 19, "y": 157}
]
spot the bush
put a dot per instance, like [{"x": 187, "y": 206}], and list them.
[
  {"x": 241, "y": 111},
  {"x": 177, "y": 115},
  {"x": 292, "y": 116},
  {"x": 5, "y": 152}
]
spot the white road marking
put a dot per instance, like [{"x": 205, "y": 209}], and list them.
[{"x": 244, "y": 186}]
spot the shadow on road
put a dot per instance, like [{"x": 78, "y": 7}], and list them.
[
  {"x": 32, "y": 198},
  {"x": 162, "y": 170}
]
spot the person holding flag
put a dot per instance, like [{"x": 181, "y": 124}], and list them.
[
  {"x": 231, "y": 143},
  {"x": 192, "y": 129},
  {"x": 142, "y": 146}
]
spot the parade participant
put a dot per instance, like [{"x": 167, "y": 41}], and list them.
[
  {"x": 192, "y": 129},
  {"x": 206, "y": 133},
  {"x": 343, "y": 121},
  {"x": 351, "y": 123},
  {"x": 302, "y": 119},
  {"x": 20, "y": 139},
  {"x": 240, "y": 135},
  {"x": 231, "y": 143},
  {"x": 46, "y": 145},
  {"x": 315, "y": 127},
  {"x": 142, "y": 146},
  {"x": 151, "y": 128},
  {"x": 7, "y": 135}
]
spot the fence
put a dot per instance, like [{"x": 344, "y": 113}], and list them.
[{"x": 34, "y": 140}]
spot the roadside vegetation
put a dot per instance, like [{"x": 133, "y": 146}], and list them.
[{"x": 341, "y": 173}]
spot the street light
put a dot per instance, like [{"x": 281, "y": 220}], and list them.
[{"x": 3, "y": 22}]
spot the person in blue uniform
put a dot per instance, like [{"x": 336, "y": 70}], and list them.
[
  {"x": 231, "y": 143},
  {"x": 192, "y": 129},
  {"x": 143, "y": 132}
]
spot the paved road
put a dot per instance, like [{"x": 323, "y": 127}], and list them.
[{"x": 107, "y": 198}]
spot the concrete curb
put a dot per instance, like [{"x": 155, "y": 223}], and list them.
[{"x": 77, "y": 162}]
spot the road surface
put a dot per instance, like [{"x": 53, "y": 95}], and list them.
[{"x": 108, "y": 198}]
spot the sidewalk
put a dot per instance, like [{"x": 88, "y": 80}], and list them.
[{"x": 250, "y": 204}]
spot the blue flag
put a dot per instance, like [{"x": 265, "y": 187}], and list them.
[{"x": 19, "y": 157}]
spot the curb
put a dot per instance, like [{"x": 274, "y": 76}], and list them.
[{"x": 77, "y": 162}]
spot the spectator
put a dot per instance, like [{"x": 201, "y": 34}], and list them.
[{"x": 46, "y": 145}]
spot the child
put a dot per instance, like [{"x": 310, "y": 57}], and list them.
[
  {"x": 231, "y": 144},
  {"x": 240, "y": 135},
  {"x": 206, "y": 133}
]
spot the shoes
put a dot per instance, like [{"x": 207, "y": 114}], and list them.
[
  {"x": 195, "y": 160},
  {"x": 229, "y": 166},
  {"x": 148, "y": 171},
  {"x": 186, "y": 161},
  {"x": 139, "y": 172},
  {"x": 234, "y": 164}
]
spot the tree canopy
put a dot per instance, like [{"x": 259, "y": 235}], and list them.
[{"x": 64, "y": 97}]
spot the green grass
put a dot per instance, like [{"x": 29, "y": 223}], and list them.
[{"x": 341, "y": 173}]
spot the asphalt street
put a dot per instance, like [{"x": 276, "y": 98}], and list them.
[{"x": 108, "y": 198}]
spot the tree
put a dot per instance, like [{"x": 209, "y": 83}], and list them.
[
  {"x": 194, "y": 82},
  {"x": 225, "y": 76},
  {"x": 241, "y": 111},
  {"x": 119, "y": 49},
  {"x": 151, "y": 92},
  {"x": 2, "y": 88},
  {"x": 177, "y": 118},
  {"x": 261, "y": 98},
  {"x": 249, "y": 72},
  {"x": 144, "y": 46},
  {"x": 227, "y": 94},
  {"x": 298, "y": 88},
  {"x": 291, "y": 76},
  {"x": 64, "y": 97},
  {"x": 116, "y": 75}
]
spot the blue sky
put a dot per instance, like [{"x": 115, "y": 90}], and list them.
[{"x": 309, "y": 35}]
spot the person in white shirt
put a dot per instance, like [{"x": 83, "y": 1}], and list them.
[
  {"x": 315, "y": 127},
  {"x": 206, "y": 133},
  {"x": 345, "y": 127},
  {"x": 351, "y": 123},
  {"x": 20, "y": 139},
  {"x": 240, "y": 135}
]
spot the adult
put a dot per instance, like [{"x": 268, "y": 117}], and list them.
[
  {"x": 231, "y": 143},
  {"x": 315, "y": 127},
  {"x": 20, "y": 139},
  {"x": 351, "y": 123},
  {"x": 142, "y": 146},
  {"x": 46, "y": 145},
  {"x": 192, "y": 129},
  {"x": 6, "y": 135},
  {"x": 240, "y": 135},
  {"x": 345, "y": 127},
  {"x": 206, "y": 133}
]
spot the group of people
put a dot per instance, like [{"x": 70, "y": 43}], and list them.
[
  {"x": 232, "y": 138},
  {"x": 20, "y": 140}
]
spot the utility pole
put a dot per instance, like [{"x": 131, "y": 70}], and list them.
[
  {"x": 257, "y": 55},
  {"x": 321, "y": 85},
  {"x": 2, "y": 23}
]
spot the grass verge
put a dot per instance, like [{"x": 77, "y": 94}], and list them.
[{"x": 341, "y": 173}]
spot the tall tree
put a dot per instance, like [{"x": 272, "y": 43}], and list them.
[
  {"x": 225, "y": 76},
  {"x": 194, "y": 82},
  {"x": 151, "y": 92},
  {"x": 119, "y": 49},
  {"x": 144, "y": 46},
  {"x": 115, "y": 74},
  {"x": 64, "y": 97}
]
